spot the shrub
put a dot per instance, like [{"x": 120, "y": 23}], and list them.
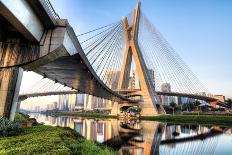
[
  {"x": 8, "y": 128},
  {"x": 23, "y": 118},
  {"x": 20, "y": 117}
]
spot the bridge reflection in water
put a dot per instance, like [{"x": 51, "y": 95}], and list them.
[{"x": 147, "y": 137}]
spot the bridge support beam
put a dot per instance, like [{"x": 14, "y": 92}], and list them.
[{"x": 10, "y": 81}]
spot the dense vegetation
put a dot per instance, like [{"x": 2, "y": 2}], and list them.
[
  {"x": 8, "y": 128},
  {"x": 22, "y": 118}
]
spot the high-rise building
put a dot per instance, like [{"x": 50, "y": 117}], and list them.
[
  {"x": 131, "y": 84},
  {"x": 112, "y": 78},
  {"x": 151, "y": 73},
  {"x": 80, "y": 99},
  {"x": 134, "y": 82},
  {"x": 63, "y": 102},
  {"x": 37, "y": 109},
  {"x": 166, "y": 87},
  {"x": 72, "y": 102},
  {"x": 50, "y": 106},
  {"x": 202, "y": 93}
]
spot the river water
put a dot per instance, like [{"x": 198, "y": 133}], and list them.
[{"x": 148, "y": 137}]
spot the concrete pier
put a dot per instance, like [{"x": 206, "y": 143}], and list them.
[{"x": 10, "y": 81}]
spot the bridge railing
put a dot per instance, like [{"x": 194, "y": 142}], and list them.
[{"x": 48, "y": 6}]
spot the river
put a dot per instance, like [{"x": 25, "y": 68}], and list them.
[{"x": 148, "y": 137}]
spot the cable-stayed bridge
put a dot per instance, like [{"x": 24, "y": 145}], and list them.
[
  {"x": 58, "y": 89},
  {"x": 100, "y": 62}
]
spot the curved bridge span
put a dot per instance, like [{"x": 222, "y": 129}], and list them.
[{"x": 44, "y": 93}]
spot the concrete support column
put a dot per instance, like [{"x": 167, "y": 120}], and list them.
[
  {"x": 85, "y": 101},
  {"x": 89, "y": 103},
  {"x": 115, "y": 109},
  {"x": 10, "y": 82},
  {"x": 18, "y": 106},
  {"x": 88, "y": 129}
]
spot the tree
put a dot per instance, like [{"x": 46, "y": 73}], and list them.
[
  {"x": 196, "y": 104},
  {"x": 229, "y": 103},
  {"x": 185, "y": 107},
  {"x": 173, "y": 106}
]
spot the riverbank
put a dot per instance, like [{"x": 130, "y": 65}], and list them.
[
  {"x": 85, "y": 114},
  {"x": 192, "y": 119},
  {"x": 42, "y": 139},
  {"x": 207, "y": 119}
]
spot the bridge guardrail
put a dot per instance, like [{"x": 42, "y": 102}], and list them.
[{"x": 48, "y": 6}]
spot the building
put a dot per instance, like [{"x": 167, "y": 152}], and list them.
[
  {"x": 112, "y": 78},
  {"x": 37, "y": 109},
  {"x": 220, "y": 98},
  {"x": 63, "y": 102},
  {"x": 131, "y": 84},
  {"x": 80, "y": 99},
  {"x": 134, "y": 82},
  {"x": 166, "y": 87},
  {"x": 72, "y": 102},
  {"x": 151, "y": 73},
  {"x": 202, "y": 93},
  {"x": 50, "y": 106},
  {"x": 55, "y": 105},
  {"x": 76, "y": 102}
]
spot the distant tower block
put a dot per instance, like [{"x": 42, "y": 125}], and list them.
[{"x": 150, "y": 103}]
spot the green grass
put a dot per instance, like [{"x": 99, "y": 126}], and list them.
[
  {"x": 86, "y": 114},
  {"x": 210, "y": 113},
  {"x": 43, "y": 139},
  {"x": 192, "y": 119}
]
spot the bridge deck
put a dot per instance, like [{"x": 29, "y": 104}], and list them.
[{"x": 71, "y": 71}]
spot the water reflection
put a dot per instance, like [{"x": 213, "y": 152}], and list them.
[{"x": 148, "y": 137}]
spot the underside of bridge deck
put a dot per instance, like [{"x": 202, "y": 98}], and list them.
[{"x": 71, "y": 71}]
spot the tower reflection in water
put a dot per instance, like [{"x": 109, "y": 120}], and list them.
[{"x": 143, "y": 137}]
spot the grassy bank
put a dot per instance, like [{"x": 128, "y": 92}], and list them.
[
  {"x": 85, "y": 114},
  {"x": 43, "y": 139},
  {"x": 192, "y": 119}
]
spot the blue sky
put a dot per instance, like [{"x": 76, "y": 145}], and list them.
[{"x": 199, "y": 30}]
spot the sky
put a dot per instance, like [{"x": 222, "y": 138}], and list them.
[{"x": 199, "y": 30}]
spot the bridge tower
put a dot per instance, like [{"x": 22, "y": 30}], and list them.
[{"x": 150, "y": 103}]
